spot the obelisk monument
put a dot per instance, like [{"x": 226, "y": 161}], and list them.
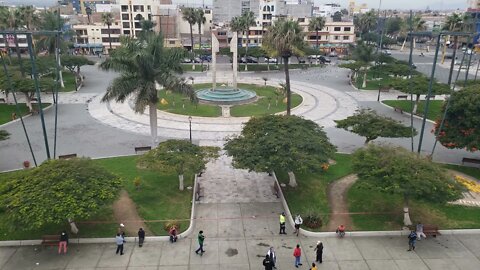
[
  {"x": 234, "y": 50},
  {"x": 215, "y": 50}
]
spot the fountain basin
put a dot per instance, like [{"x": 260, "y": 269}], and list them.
[{"x": 226, "y": 96}]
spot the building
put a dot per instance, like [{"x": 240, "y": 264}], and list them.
[
  {"x": 353, "y": 8},
  {"x": 473, "y": 5},
  {"x": 93, "y": 38},
  {"x": 334, "y": 37},
  {"x": 133, "y": 12},
  {"x": 327, "y": 10},
  {"x": 225, "y": 10}
]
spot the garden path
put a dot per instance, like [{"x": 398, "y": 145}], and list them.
[
  {"x": 125, "y": 211},
  {"x": 337, "y": 198}
]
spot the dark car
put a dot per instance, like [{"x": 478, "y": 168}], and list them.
[
  {"x": 251, "y": 59},
  {"x": 206, "y": 58},
  {"x": 324, "y": 60}
]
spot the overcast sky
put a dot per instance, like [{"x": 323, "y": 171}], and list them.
[{"x": 390, "y": 4}]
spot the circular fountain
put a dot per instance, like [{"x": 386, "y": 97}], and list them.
[{"x": 225, "y": 95}]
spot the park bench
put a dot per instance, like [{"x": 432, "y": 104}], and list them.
[
  {"x": 470, "y": 160},
  {"x": 3, "y": 100},
  {"x": 198, "y": 192},
  {"x": 431, "y": 230},
  {"x": 431, "y": 96},
  {"x": 402, "y": 97},
  {"x": 142, "y": 149},
  {"x": 69, "y": 156},
  {"x": 398, "y": 109},
  {"x": 276, "y": 189},
  {"x": 50, "y": 240}
]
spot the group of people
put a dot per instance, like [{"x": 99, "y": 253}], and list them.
[
  {"x": 271, "y": 259},
  {"x": 415, "y": 235},
  {"x": 298, "y": 222}
]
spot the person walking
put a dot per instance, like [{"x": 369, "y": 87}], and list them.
[
  {"x": 298, "y": 223},
  {"x": 267, "y": 262},
  {"x": 419, "y": 231},
  {"x": 119, "y": 240},
  {"x": 412, "y": 239},
  {"x": 273, "y": 256},
  {"x": 319, "y": 250},
  {"x": 201, "y": 238},
  {"x": 141, "y": 237},
  {"x": 297, "y": 253},
  {"x": 314, "y": 267},
  {"x": 282, "y": 223},
  {"x": 63, "y": 243}
]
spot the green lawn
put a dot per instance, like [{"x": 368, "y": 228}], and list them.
[
  {"x": 471, "y": 171},
  {"x": 372, "y": 83},
  {"x": 311, "y": 192},
  {"x": 180, "y": 104},
  {"x": 158, "y": 199},
  {"x": 6, "y": 110},
  {"x": 434, "y": 111},
  {"x": 68, "y": 81},
  {"x": 198, "y": 67}
]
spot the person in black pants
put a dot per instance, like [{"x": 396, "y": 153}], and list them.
[
  {"x": 319, "y": 250},
  {"x": 141, "y": 237},
  {"x": 119, "y": 240},
  {"x": 267, "y": 262}
]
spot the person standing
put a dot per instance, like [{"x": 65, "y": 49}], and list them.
[
  {"x": 273, "y": 257},
  {"x": 63, "y": 243},
  {"x": 141, "y": 237},
  {"x": 412, "y": 238},
  {"x": 201, "y": 238},
  {"x": 297, "y": 253},
  {"x": 419, "y": 231},
  {"x": 319, "y": 250},
  {"x": 298, "y": 223},
  {"x": 267, "y": 262},
  {"x": 282, "y": 223},
  {"x": 119, "y": 240}
]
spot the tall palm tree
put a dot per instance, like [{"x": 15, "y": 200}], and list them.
[
  {"x": 144, "y": 63},
  {"x": 285, "y": 39},
  {"x": 236, "y": 25},
  {"x": 28, "y": 17},
  {"x": 365, "y": 22},
  {"x": 316, "y": 24},
  {"x": 453, "y": 22},
  {"x": 248, "y": 20},
  {"x": 189, "y": 15},
  {"x": 364, "y": 54},
  {"x": 147, "y": 28},
  {"x": 419, "y": 24},
  {"x": 107, "y": 19},
  {"x": 200, "y": 20}
]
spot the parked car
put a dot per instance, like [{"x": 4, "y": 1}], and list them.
[
  {"x": 187, "y": 60},
  {"x": 251, "y": 59},
  {"x": 387, "y": 52},
  {"x": 271, "y": 60},
  {"x": 206, "y": 58},
  {"x": 301, "y": 61},
  {"x": 333, "y": 54},
  {"x": 197, "y": 60},
  {"x": 324, "y": 60}
]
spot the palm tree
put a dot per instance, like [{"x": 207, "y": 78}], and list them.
[
  {"x": 107, "y": 19},
  {"x": 189, "y": 15},
  {"x": 453, "y": 22},
  {"x": 365, "y": 22},
  {"x": 364, "y": 55},
  {"x": 143, "y": 64},
  {"x": 236, "y": 25},
  {"x": 147, "y": 28},
  {"x": 247, "y": 19},
  {"x": 285, "y": 39},
  {"x": 200, "y": 20},
  {"x": 28, "y": 17},
  {"x": 419, "y": 24},
  {"x": 316, "y": 24}
]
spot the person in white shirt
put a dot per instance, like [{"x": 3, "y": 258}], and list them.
[{"x": 298, "y": 223}]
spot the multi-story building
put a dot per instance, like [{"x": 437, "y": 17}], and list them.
[
  {"x": 334, "y": 37},
  {"x": 94, "y": 38},
  {"x": 225, "y": 10},
  {"x": 327, "y": 10},
  {"x": 474, "y": 5},
  {"x": 133, "y": 12}
]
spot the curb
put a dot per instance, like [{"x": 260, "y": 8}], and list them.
[
  {"x": 409, "y": 114},
  {"x": 24, "y": 117},
  {"x": 359, "y": 233}
]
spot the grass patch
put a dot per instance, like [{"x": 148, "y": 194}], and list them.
[
  {"x": 267, "y": 95},
  {"x": 471, "y": 171},
  {"x": 434, "y": 111},
  {"x": 68, "y": 81},
  {"x": 157, "y": 199},
  {"x": 6, "y": 110},
  {"x": 311, "y": 192},
  {"x": 198, "y": 67},
  {"x": 370, "y": 201},
  {"x": 375, "y": 80},
  {"x": 180, "y": 104}
]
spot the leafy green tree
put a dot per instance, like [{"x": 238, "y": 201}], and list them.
[
  {"x": 73, "y": 63},
  {"x": 316, "y": 24},
  {"x": 179, "y": 156},
  {"x": 398, "y": 171},
  {"x": 56, "y": 192},
  {"x": 461, "y": 128},
  {"x": 364, "y": 54},
  {"x": 280, "y": 142},
  {"x": 143, "y": 64},
  {"x": 4, "y": 135},
  {"x": 367, "y": 123},
  {"x": 285, "y": 39},
  {"x": 393, "y": 25},
  {"x": 354, "y": 67},
  {"x": 107, "y": 19},
  {"x": 418, "y": 85},
  {"x": 26, "y": 86},
  {"x": 337, "y": 16}
]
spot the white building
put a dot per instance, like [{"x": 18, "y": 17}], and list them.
[
  {"x": 327, "y": 10},
  {"x": 133, "y": 12},
  {"x": 93, "y": 38}
]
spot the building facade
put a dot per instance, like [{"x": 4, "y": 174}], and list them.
[
  {"x": 225, "y": 10},
  {"x": 94, "y": 38}
]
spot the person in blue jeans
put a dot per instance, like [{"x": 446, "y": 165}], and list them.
[
  {"x": 297, "y": 253},
  {"x": 201, "y": 238},
  {"x": 412, "y": 239}
]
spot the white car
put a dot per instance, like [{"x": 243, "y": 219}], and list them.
[
  {"x": 387, "y": 52},
  {"x": 271, "y": 60}
]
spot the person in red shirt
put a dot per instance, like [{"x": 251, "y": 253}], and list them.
[
  {"x": 341, "y": 230},
  {"x": 297, "y": 253}
]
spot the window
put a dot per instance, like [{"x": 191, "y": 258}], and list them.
[
  {"x": 126, "y": 32},
  {"x": 171, "y": 42},
  {"x": 138, "y": 25},
  {"x": 149, "y": 8},
  {"x": 208, "y": 11},
  {"x": 126, "y": 25},
  {"x": 124, "y": 8},
  {"x": 347, "y": 29},
  {"x": 337, "y": 29},
  {"x": 139, "y": 17},
  {"x": 138, "y": 8},
  {"x": 125, "y": 17},
  {"x": 346, "y": 37},
  {"x": 301, "y": 19},
  {"x": 336, "y": 37},
  {"x": 272, "y": 8}
]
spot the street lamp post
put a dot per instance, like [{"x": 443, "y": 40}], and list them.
[{"x": 190, "y": 127}]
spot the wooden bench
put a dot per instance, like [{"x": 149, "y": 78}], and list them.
[
  {"x": 198, "y": 192},
  {"x": 69, "y": 156},
  {"x": 398, "y": 109},
  {"x": 430, "y": 230},
  {"x": 431, "y": 97},
  {"x": 3, "y": 100},
  {"x": 402, "y": 97},
  {"x": 50, "y": 240},
  {"x": 142, "y": 149},
  {"x": 470, "y": 160},
  {"x": 276, "y": 189}
]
